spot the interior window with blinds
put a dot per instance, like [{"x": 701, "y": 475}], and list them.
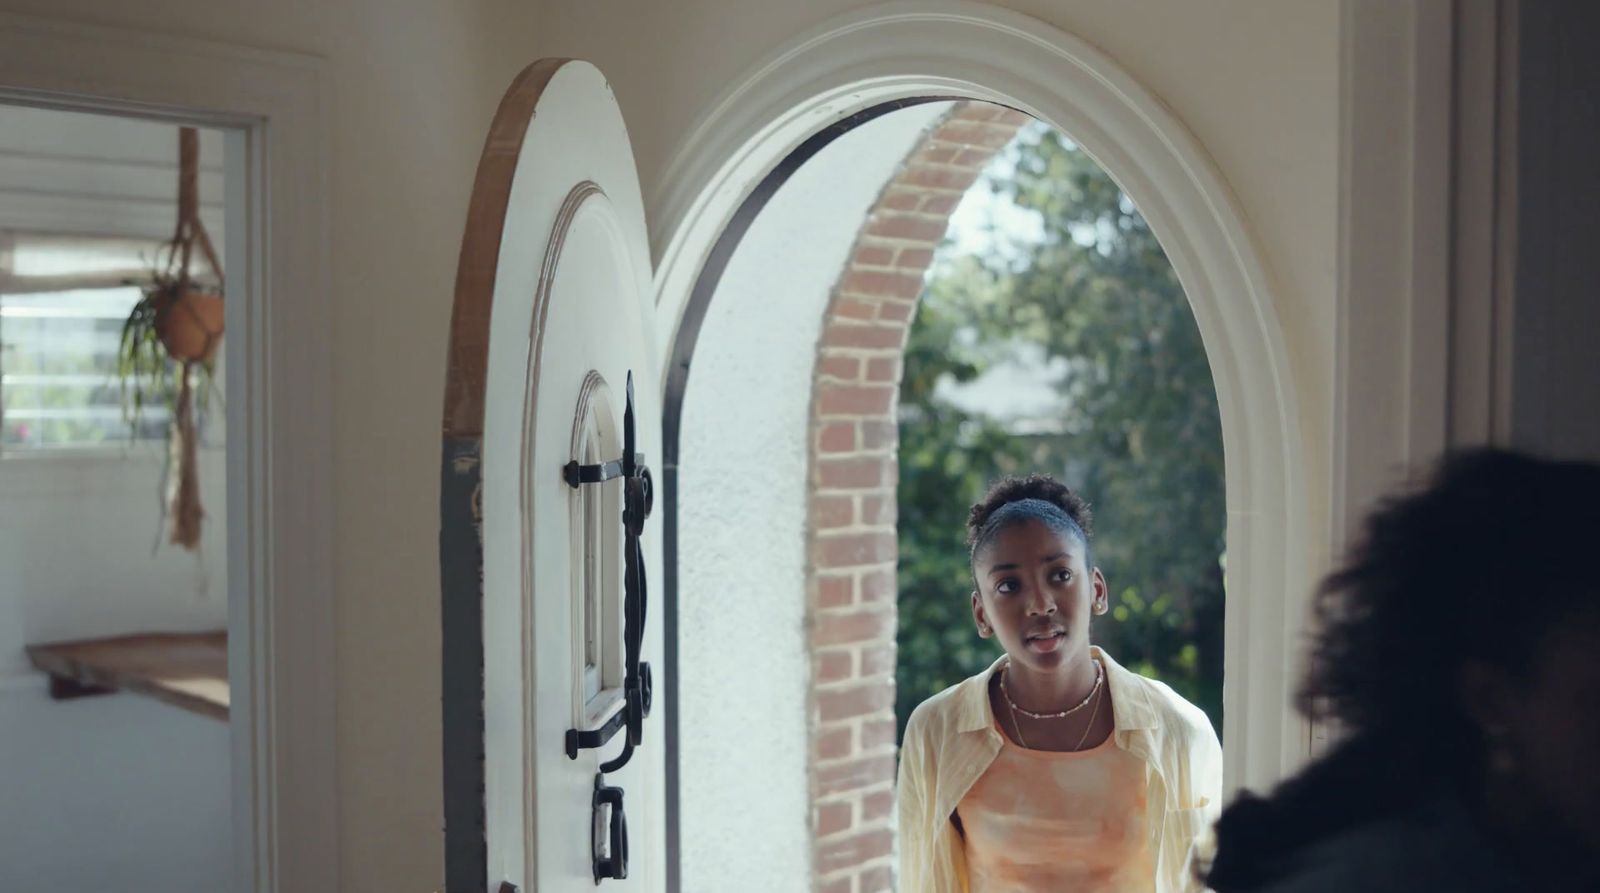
[{"x": 63, "y": 300}]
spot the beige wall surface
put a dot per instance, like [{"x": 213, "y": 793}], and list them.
[
  {"x": 413, "y": 85},
  {"x": 1257, "y": 82}
]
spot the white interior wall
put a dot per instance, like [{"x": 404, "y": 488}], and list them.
[
  {"x": 83, "y": 552},
  {"x": 116, "y": 792},
  {"x": 409, "y": 89},
  {"x": 142, "y": 786},
  {"x": 744, "y": 659}
]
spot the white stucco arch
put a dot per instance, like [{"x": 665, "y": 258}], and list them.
[{"x": 954, "y": 48}]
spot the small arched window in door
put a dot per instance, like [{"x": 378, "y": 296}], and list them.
[{"x": 597, "y": 560}]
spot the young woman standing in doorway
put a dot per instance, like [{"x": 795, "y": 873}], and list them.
[{"x": 1054, "y": 769}]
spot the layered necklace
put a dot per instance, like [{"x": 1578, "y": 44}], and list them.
[{"x": 1091, "y": 698}]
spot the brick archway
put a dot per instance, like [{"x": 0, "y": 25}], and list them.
[{"x": 852, "y": 477}]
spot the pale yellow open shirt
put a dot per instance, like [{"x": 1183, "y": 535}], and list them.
[{"x": 951, "y": 739}]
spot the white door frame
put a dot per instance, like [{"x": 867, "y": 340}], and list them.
[{"x": 281, "y": 613}]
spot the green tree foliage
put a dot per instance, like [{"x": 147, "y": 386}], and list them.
[{"x": 1135, "y": 427}]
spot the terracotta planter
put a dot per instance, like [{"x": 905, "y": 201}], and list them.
[{"x": 190, "y": 324}]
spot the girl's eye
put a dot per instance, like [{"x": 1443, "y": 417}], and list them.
[
  {"x": 1062, "y": 576},
  {"x": 1006, "y": 587}
]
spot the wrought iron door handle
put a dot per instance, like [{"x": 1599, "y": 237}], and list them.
[
  {"x": 638, "y": 500},
  {"x": 608, "y": 840}
]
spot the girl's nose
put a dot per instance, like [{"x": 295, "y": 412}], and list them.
[{"x": 1040, "y": 602}]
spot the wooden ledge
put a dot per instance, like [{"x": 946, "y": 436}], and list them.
[{"x": 188, "y": 670}]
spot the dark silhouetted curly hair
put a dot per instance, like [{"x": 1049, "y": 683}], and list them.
[{"x": 1476, "y": 565}]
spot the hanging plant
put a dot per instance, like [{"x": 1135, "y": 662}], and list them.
[{"x": 169, "y": 343}]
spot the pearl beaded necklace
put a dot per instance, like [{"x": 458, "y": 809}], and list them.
[{"x": 1099, "y": 678}]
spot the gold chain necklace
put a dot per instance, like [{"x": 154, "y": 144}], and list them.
[{"x": 1090, "y": 725}]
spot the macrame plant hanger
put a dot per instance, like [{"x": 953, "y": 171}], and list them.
[{"x": 184, "y": 511}]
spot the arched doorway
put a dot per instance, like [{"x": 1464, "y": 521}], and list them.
[{"x": 859, "y": 67}]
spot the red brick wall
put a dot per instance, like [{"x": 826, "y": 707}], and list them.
[{"x": 853, "y": 474}]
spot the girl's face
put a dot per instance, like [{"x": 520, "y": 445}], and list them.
[{"x": 1036, "y": 595}]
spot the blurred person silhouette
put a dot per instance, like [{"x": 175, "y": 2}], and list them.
[{"x": 1458, "y": 661}]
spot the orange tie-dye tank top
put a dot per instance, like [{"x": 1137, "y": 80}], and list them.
[{"x": 1042, "y": 822}]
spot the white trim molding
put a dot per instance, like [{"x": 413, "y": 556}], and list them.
[
  {"x": 900, "y": 50},
  {"x": 1391, "y": 408},
  {"x": 1425, "y": 241},
  {"x": 272, "y": 108}
]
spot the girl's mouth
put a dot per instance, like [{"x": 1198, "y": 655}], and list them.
[{"x": 1045, "y": 643}]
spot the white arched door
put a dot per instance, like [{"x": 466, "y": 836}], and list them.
[{"x": 551, "y": 422}]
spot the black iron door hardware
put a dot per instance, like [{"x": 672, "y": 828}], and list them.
[{"x": 609, "y": 836}]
